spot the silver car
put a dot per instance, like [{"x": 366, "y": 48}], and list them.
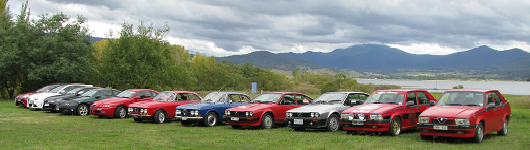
[{"x": 324, "y": 111}]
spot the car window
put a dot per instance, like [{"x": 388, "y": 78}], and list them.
[
  {"x": 490, "y": 99},
  {"x": 412, "y": 97},
  {"x": 385, "y": 99},
  {"x": 363, "y": 97},
  {"x": 496, "y": 98},
  {"x": 245, "y": 98},
  {"x": 462, "y": 98},
  {"x": 302, "y": 100},
  {"x": 327, "y": 98},
  {"x": 422, "y": 97},
  {"x": 234, "y": 98},
  {"x": 288, "y": 99},
  {"x": 105, "y": 93},
  {"x": 153, "y": 94},
  {"x": 144, "y": 94},
  {"x": 193, "y": 97},
  {"x": 165, "y": 96}
]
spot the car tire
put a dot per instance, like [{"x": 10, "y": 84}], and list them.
[
  {"x": 82, "y": 110},
  {"x": 504, "y": 130},
  {"x": 138, "y": 119},
  {"x": 185, "y": 123},
  {"x": 120, "y": 112},
  {"x": 100, "y": 116},
  {"x": 479, "y": 134},
  {"x": 159, "y": 117},
  {"x": 351, "y": 132},
  {"x": 332, "y": 124},
  {"x": 395, "y": 127},
  {"x": 237, "y": 126},
  {"x": 211, "y": 120},
  {"x": 298, "y": 129},
  {"x": 426, "y": 137},
  {"x": 267, "y": 121}
]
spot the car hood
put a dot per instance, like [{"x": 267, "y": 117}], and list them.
[
  {"x": 210, "y": 105},
  {"x": 319, "y": 108},
  {"x": 113, "y": 100},
  {"x": 372, "y": 108},
  {"x": 84, "y": 99},
  {"x": 41, "y": 96},
  {"x": 156, "y": 103},
  {"x": 251, "y": 107},
  {"x": 451, "y": 111}
]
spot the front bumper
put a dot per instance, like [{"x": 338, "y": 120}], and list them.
[
  {"x": 102, "y": 111},
  {"x": 190, "y": 118},
  {"x": 67, "y": 106},
  {"x": 452, "y": 130},
  {"x": 35, "y": 104},
  {"x": 139, "y": 115},
  {"x": 49, "y": 106},
  {"x": 370, "y": 125},
  {"x": 307, "y": 122},
  {"x": 244, "y": 121}
]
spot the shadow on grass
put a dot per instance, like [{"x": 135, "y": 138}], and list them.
[{"x": 457, "y": 140}]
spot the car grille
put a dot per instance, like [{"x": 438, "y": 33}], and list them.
[
  {"x": 136, "y": 109},
  {"x": 301, "y": 114},
  {"x": 237, "y": 114},
  {"x": 93, "y": 107},
  {"x": 435, "y": 121}
]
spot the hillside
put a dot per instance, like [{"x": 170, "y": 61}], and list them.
[{"x": 268, "y": 60}]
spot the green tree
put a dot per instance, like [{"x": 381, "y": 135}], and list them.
[
  {"x": 340, "y": 78},
  {"x": 142, "y": 59}
]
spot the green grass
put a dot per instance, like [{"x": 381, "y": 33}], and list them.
[{"x": 25, "y": 129}]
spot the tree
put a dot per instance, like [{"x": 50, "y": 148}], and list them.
[
  {"x": 340, "y": 78},
  {"x": 142, "y": 59},
  {"x": 34, "y": 53}
]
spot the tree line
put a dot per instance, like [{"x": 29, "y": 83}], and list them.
[{"x": 57, "y": 49}]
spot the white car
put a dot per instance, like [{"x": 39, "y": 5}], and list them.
[{"x": 36, "y": 101}]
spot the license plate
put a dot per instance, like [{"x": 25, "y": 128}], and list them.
[
  {"x": 135, "y": 116},
  {"x": 56, "y": 107},
  {"x": 299, "y": 121},
  {"x": 439, "y": 127},
  {"x": 184, "y": 118},
  {"x": 234, "y": 119},
  {"x": 46, "y": 104},
  {"x": 357, "y": 122}
]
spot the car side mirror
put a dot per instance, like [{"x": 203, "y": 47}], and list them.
[
  {"x": 62, "y": 92},
  {"x": 410, "y": 103},
  {"x": 136, "y": 97},
  {"x": 491, "y": 106},
  {"x": 432, "y": 103},
  {"x": 97, "y": 97}
]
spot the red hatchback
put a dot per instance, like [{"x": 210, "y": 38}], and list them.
[
  {"x": 266, "y": 110},
  {"x": 466, "y": 113},
  {"x": 117, "y": 106},
  {"x": 388, "y": 111},
  {"x": 163, "y": 106}
]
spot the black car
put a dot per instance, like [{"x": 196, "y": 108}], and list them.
[{"x": 50, "y": 103}]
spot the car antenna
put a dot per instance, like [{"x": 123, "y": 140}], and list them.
[{"x": 221, "y": 89}]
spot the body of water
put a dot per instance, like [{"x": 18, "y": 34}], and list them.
[{"x": 505, "y": 87}]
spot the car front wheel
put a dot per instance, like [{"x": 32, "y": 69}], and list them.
[
  {"x": 82, "y": 110},
  {"x": 120, "y": 112},
  {"x": 267, "y": 121},
  {"x": 210, "y": 120},
  {"x": 159, "y": 117},
  {"x": 395, "y": 127},
  {"x": 333, "y": 123},
  {"x": 479, "y": 134}
]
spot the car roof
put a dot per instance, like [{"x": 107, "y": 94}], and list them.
[
  {"x": 347, "y": 92},
  {"x": 180, "y": 92},
  {"x": 231, "y": 93},
  {"x": 403, "y": 90},
  {"x": 139, "y": 90},
  {"x": 283, "y": 93},
  {"x": 472, "y": 90}
]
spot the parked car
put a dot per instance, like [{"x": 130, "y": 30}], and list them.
[
  {"x": 163, "y": 106},
  {"x": 389, "y": 111},
  {"x": 266, "y": 110},
  {"x": 51, "y": 102},
  {"x": 211, "y": 109},
  {"x": 324, "y": 111},
  {"x": 36, "y": 101},
  {"x": 80, "y": 106},
  {"x": 468, "y": 113},
  {"x": 22, "y": 99},
  {"x": 117, "y": 106}
]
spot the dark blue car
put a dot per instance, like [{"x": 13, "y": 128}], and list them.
[{"x": 209, "y": 111}]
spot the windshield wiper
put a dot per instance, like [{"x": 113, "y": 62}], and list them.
[
  {"x": 472, "y": 105},
  {"x": 453, "y": 104}
]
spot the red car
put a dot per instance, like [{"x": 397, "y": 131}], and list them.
[
  {"x": 117, "y": 106},
  {"x": 389, "y": 111},
  {"x": 466, "y": 113},
  {"x": 266, "y": 110},
  {"x": 163, "y": 106},
  {"x": 22, "y": 99}
]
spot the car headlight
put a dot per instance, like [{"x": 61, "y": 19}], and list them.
[
  {"x": 288, "y": 114},
  {"x": 462, "y": 121},
  {"x": 344, "y": 115},
  {"x": 351, "y": 116},
  {"x": 227, "y": 112},
  {"x": 178, "y": 111},
  {"x": 423, "y": 120},
  {"x": 249, "y": 114},
  {"x": 143, "y": 111},
  {"x": 130, "y": 109},
  {"x": 105, "y": 105},
  {"x": 195, "y": 112},
  {"x": 315, "y": 114},
  {"x": 376, "y": 116}
]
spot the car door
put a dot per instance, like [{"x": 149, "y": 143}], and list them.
[
  {"x": 499, "y": 111},
  {"x": 287, "y": 102},
  {"x": 409, "y": 113},
  {"x": 489, "y": 114}
]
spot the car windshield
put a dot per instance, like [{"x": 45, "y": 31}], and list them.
[
  {"x": 385, "y": 99},
  {"x": 74, "y": 91},
  {"x": 215, "y": 97},
  {"x": 43, "y": 89},
  {"x": 165, "y": 96},
  {"x": 267, "y": 98},
  {"x": 462, "y": 98},
  {"x": 57, "y": 89},
  {"x": 51, "y": 88},
  {"x": 89, "y": 93},
  {"x": 330, "y": 98},
  {"x": 127, "y": 94}
]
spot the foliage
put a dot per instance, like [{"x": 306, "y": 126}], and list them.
[
  {"x": 141, "y": 59},
  {"x": 458, "y": 87},
  {"x": 51, "y": 49}
]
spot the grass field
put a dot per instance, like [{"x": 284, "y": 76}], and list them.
[{"x": 21, "y": 128}]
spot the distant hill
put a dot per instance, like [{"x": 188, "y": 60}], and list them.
[
  {"x": 268, "y": 60},
  {"x": 95, "y": 39}
]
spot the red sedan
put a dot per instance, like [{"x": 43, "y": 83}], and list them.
[
  {"x": 117, "y": 106},
  {"x": 466, "y": 113},
  {"x": 266, "y": 110},
  {"x": 163, "y": 106},
  {"x": 389, "y": 111}
]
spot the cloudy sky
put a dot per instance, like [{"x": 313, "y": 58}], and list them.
[{"x": 231, "y": 27}]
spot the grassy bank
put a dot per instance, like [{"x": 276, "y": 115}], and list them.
[{"x": 25, "y": 129}]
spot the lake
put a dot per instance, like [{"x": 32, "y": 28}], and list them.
[{"x": 505, "y": 87}]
